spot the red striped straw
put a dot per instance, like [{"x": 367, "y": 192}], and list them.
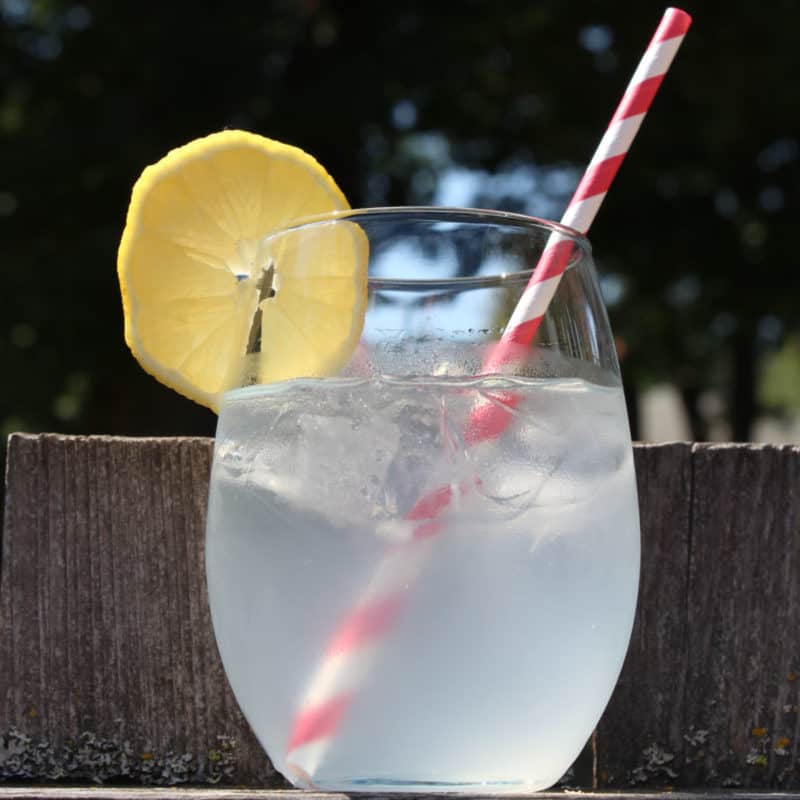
[{"x": 357, "y": 639}]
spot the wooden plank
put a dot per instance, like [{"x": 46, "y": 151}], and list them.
[
  {"x": 112, "y": 670},
  {"x": 641, "y": 732},
  {"x": 743, "y": 688},
  {"x": 710, "y": 691}
]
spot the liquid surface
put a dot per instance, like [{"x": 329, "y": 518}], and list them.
[{"x": 515, "y": 624}]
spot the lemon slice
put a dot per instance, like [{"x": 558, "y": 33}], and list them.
[{"x": 210, "y": 301}]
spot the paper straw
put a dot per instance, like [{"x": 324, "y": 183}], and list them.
[{"x": 358, "y": 638}]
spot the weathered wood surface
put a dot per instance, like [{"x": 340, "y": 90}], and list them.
[
  {"x": 647, "y": 707},
  {"x": 109, "y": 670},
  {"x": 710, "y": 690},
  {"x": 743, "y": 681}
]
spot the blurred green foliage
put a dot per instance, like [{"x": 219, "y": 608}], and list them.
[
  {"x": 780, "y": 383},
  {"x": 694, "y": 242}
]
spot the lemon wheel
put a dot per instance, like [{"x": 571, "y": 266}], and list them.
[{"x": 210, "y": 299}]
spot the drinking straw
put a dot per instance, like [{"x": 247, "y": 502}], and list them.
[{"x": 358, "y": 637}]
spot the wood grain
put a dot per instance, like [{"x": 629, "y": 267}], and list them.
[
  {"x": 710, "y": 690},
  {"x": 641, "y": 732},
  {"x": 109, "y": 669},
  {"x": 743, "y": 686},
  {"x": 112, "y": 670}
]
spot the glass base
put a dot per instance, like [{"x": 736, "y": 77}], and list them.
[{"x": 396, "y": 786}]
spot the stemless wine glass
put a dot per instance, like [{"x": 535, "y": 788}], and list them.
[{"x": 401, "y": 603}]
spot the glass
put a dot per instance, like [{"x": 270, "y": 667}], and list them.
[{"x": 402, "y": 603}]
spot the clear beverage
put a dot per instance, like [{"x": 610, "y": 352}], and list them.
[
  {"x": 513, "y": 628},
  {"x": 405, "y": 600}
]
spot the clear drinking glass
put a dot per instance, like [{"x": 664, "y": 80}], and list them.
[{"x": 402, "y": 603}]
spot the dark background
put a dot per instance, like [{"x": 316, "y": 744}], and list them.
[{"x": 695, "y": 242}]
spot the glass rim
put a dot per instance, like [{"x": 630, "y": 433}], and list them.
[{"x": 444, "y": 214}]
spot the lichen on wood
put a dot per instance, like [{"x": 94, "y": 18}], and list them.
[{"x": 90, "y": 758}]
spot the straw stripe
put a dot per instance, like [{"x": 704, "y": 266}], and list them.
[
  {"x": 560, "y": 248},
  {"x": 518, "y": 334},
  {"x": 316, "y": 722},
  {"x": 618, "y": 138},
  {"x": 579, "y": 215},
  {"x": 598, "y": 178},
  {"x": 489, "y": 420},
  {"x": 639, "y": 100},
  {"x": 537, "y": 299},
  {"x": 367, "y": 622},
  {"x": 357, "y": 639},
  {"x": 333, "y": 680},
  {"x": 432, "y": 504},
  {"x": 659, "y": 58}
]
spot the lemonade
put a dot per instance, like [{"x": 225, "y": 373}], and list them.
[
  {"x": 512, "y": 635},
  {"x": 422, "y": 545}
]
